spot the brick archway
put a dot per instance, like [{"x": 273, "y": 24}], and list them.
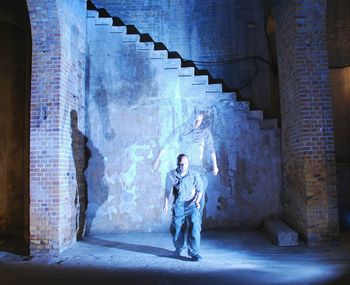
[
  {"x": 338, "y": 45},
  {"x": 15, "y": 45}
]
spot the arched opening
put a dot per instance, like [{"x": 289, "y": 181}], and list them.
[
  {"x": 272, "y": 46},
  {"x": 15, "y": 70},
  {"x": 338, "y": 44}
]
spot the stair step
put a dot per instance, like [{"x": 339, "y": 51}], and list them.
[
  {"x": 231, "y": 95},
  {"x": 145, "y": 46},
  {"x": 186, "y": 71},
  {"x": 241, "y": 106},
  {"x": 214, "y": 88},
  {"x": 159, "y": 54},
  {"x": 118, "y": 29},
  {"x": 200, "y": 80},
  {"x": 103, "y": 21},
  {"x": 131, "y": 38},
  {"x": 268, "y": 124},
  {"x": 91, "y": 14},
  {"x": 255, "y": 115},
  {"x": 172, "y": 63}
]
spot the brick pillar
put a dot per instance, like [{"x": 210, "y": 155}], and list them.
[
  {"x": 44, "y": 127},
  {"x": 307, "y": 125},
  {"x": 56, "y": 123}
]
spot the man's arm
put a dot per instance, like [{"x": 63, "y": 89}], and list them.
[
  {"x": 173, "y": 137},
  {"x": 198, "y": 199},
  {"x": 215, "y": 165},
  {"x": 169, "y": 184},
  {"x": 155, "y": 162},
  {"x": 199, "y": 190},
  {"x": 210, "y": 147},
  {"x": 165, "y": 206}
]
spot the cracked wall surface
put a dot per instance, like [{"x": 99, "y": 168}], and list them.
[{"x": 136, "y": 106}]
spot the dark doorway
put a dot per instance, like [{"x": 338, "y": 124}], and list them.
[
  {"x": 338, "y": 44},
  {"x": 15, "y": 70},
  {"x": 270, "y": 28}
]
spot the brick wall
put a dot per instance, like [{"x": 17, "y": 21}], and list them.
[
  {"x": 307, "y": 124},
  {"x": 57, "y": 92},
  {"x": 44, "y": 126}
]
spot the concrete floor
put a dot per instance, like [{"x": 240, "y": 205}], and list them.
[{"x": 229, "y": 258}]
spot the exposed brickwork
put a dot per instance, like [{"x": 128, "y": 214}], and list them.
[
  {"x": 57, "y": 88},
  {"x": 307, "y": 125},
  {"x": 44, "y": 127}
]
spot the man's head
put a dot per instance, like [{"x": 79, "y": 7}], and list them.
[
  {"x": 199, "y": 119},
  {"x": 182, "y": 163}
]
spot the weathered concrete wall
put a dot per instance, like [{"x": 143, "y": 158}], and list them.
[
  {"x": 72, "y": 18},
  {"x": 136, "y": 99},
  {"x": 221, "y": 36},
  {"x": 14, "y": 118}
]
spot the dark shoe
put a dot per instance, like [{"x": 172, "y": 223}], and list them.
[
  {"x": 177, "y": 252},
  {"x": 196, "y": 257}
]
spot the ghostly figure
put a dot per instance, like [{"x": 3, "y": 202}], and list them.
[{"x": 195, "y": 139}]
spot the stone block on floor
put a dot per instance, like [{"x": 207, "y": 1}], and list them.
[{"x": 280, "y": 233}]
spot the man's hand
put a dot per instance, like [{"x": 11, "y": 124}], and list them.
[
  {"x": 215, "y": 170},
  {"x": 155, "y": 165},
  {"x": 198, "y": 205},
  {"x": 165, "y": 207}
]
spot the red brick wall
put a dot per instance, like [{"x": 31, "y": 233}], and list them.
[
  {"x": 307, "y": 124},
  {"x": 57, "y": 91},
  {"x": 44, "y": 126}
]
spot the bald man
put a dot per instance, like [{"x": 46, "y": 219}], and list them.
[{"x": 186, "y": 187}]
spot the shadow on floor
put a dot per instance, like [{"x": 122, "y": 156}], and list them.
[{"x": 158, "y": 251}]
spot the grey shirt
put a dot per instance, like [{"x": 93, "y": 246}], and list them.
[
  {"x": 185, "y": 189},
  {"x": 193, "y": 142}
]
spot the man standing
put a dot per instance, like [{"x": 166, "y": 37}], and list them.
[{"x": 186, "y": 186}]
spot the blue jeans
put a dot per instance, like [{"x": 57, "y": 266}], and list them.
[{"x": 186, "y": 217}]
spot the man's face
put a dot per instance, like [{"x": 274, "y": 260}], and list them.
[
  {"x": 183, "y": 164},
  {"x": 198, "y": 121}
]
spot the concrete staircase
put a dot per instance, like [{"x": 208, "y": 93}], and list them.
[
  {"x": 138, "y": 94},
  {"x": 189, "y": 73}
]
